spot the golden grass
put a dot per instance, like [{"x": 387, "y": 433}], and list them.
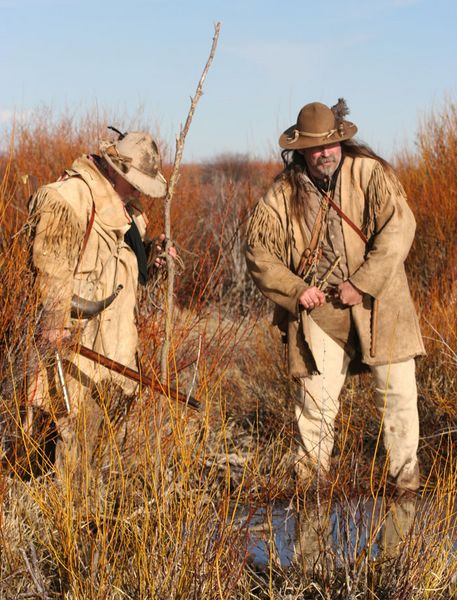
[{"x": 155, "y": 514}]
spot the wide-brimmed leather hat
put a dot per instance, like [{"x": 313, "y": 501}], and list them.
[
  {"x": 136, "y": 157},
  {"x": 318, "y": 125}
]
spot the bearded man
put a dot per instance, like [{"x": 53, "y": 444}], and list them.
[
  {"x": 327, "y": 245},
  {"x": 88, "y": 253}
]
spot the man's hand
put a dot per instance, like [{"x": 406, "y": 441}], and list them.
[
  {"x": 52, "y": 328},
  {"x": 349, "y": 294},
  {"x": 56, "y": 337},
  {"x": 312, "y": 298},
  {"x": 160, "y": 261}
]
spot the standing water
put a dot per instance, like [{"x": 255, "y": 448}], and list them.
[{"x": 280, "y": 533}]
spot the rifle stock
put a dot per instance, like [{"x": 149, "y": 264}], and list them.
[{"x": 113, "y": 365}]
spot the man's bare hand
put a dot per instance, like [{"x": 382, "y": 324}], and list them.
[
  {"x": 349, "y": 294},
  {"x": 312, "y": 298},
  {"x": 160, "y": 261},
  {"x": 56, "y": 337}
]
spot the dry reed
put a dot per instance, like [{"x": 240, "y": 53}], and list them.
[{"x": 137, "y": 529}]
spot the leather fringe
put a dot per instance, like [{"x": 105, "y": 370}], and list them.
[
  {"x": 63, "y": 235},
  {"x": 265, "y": 230},
  {"x": 380, "y": 186}
]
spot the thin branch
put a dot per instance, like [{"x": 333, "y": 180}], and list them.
[
  {"x": 167, "y": 207},
  {"x": 438, "y": 434},
  {"x": 196, "y": 368},
  {"x": 35, "y": 573}
]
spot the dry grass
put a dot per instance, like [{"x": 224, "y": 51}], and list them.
[{"x": 157, "y": 516}]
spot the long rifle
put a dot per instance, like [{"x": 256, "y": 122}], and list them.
[{"x": 135, "y": 376}]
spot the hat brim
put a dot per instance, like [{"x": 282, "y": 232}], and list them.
[
  {"x": 289, "y": 141},
  {"x": 154, "y": 187}
]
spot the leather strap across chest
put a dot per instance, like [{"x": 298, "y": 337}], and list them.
[
  {"x": 312, "y": 251},
  {"x": 345, "y": 218},
  {"x": 86, "y": 235}
]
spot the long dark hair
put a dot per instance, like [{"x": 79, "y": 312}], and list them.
[{"x": 295, "y": 164}]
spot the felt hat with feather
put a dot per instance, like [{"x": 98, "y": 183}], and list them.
[{"x": 318, "y": 125}]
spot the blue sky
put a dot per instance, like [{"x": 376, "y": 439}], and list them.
[{"x": 393, "y": 61}]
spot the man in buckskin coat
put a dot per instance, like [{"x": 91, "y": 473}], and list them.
[
  {"x": 88, "y": 229},
  {"x": 327, "y": 245}
]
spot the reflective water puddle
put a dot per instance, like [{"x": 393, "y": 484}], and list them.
[{"x": 284, "y": 535}]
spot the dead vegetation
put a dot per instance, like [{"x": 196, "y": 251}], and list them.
[{"x": 154, "y": 520}]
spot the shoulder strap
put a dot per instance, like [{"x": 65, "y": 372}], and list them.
[
  {"x": 86, "y": 235},
  {"x": 308, "y": 253},
  {"x": 344, "y": 216}
]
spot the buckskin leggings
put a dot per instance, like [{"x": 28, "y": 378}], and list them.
[{"x": 318, "y": 403}]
